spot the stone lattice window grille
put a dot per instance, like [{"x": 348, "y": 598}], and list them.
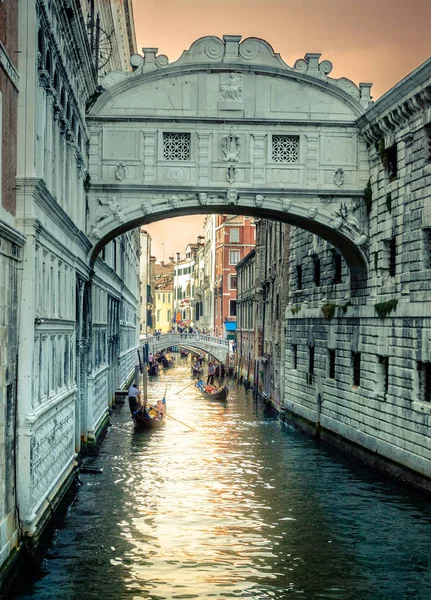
[
  {"x": 285, "y": 148},
  {"x": 176, "y": 146}
]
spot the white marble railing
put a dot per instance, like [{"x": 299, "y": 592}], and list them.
[{"x": 193, "y": 341}]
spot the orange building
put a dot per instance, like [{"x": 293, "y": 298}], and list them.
[{"x": 235, "y": 236}]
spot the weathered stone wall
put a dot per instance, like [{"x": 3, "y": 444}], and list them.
[{"x": 384, "y": 337}]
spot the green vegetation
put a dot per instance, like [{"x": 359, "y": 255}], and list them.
[
  {"x": 295, "y": 309},
  {"x": 344, "y": 307},
  {"x": 329, "y": 310},
  {"x": 383, "y": 309}
]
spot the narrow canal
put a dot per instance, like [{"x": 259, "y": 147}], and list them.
[{"x": 242, "y": 507}]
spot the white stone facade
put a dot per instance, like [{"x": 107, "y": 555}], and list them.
[{"x": 78, "y": 322}]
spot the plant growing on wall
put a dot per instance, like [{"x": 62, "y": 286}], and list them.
[
  {"x": 295, "y": 309},
  {"x": 328, "y": 310},
  {"x": 345, "y": 306},
  {"x": 383, "y": 309}
]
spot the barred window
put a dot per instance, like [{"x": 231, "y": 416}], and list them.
[
  {"x": 285, "y": 148},
  {"x": 176, "y": 146}
]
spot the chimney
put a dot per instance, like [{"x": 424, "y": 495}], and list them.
[{"x": 162, "y": 262}]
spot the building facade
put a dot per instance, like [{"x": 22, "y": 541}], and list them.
[
  {"x": 71, "y": 321},
  {"x": 11, "y": 252},
  {"x": 359, "y": 368},
  {"x": 164, "y": 296},
  {"x": 234, "y": 238},
  {"x": 147, "y": 279}
]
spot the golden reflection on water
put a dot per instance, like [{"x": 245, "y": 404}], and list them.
[
  {"x": 243, "y": 507},
  {"x": 198, "y": 524}
]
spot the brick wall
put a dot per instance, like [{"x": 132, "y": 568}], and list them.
[{"x": 9, "y": 39}]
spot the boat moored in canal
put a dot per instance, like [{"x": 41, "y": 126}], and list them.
[
  {"x": 150, "y": 417},
  {"x": 211, "y": 392}
]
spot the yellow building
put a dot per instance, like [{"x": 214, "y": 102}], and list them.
[{"x": 164, "y": 307}]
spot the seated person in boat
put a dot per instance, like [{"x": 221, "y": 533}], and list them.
[
  {"x": 160, "y": 409},
  {"x": 134, "y": 396}
]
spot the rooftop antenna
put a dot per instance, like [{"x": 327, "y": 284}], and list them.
[{"x": 163, "y": 251}]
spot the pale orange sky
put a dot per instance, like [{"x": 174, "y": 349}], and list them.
[{"x": 378, "y": 41}]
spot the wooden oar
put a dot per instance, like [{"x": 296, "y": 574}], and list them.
[
  {"x": 185, "y": 424},
  {"x": 187, "y": 386}
]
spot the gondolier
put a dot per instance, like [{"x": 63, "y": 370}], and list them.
[
  {"x": 134, "y": 396},
  {"x": 211, "y": 371}
]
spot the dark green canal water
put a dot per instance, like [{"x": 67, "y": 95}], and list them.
[{"x": 243, "y": 507}]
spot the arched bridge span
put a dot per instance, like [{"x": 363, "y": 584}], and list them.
[
  {"x": 216, "y": 347},
  {"x": 230, "y": 128}
]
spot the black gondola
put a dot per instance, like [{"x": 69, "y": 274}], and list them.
[
  {"x": 149, "y": 417},
  {"x": 211, "y": 392}
]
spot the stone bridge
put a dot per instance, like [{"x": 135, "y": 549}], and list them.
[
  {"x": 193, "y": 341},
  {"x": 230, "y": 128}
]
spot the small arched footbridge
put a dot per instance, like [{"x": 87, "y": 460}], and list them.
[{"x": 197, "y": 342}]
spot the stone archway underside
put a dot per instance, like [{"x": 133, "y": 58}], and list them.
[{"x": 230, "y": 128}]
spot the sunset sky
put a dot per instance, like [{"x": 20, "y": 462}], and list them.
[{"x": 378, "y": 41}]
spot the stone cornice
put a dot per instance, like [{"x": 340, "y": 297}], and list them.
[
  {"x": 8, "y": 66},
  {"x": 405, "y": 102},
  {"x": 11, "y": 234},
  {"x": 103, "y": 119},
  {"x": 230, "y": 54},
  {"x": 53, "y": 210}
]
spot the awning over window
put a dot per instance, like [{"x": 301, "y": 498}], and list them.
[{"x": 230, "y": 326}]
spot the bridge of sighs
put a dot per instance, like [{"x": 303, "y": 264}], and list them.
[{"x": 230, "y": 128}]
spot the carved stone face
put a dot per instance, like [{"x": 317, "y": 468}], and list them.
[
  {"x": 312, "y": 212},
  {"x": 259, "y": 200},
  {"x": 202, "y": 198},
  {"x": 286, "y": 204},
  {"x": 232, "y": 197}
]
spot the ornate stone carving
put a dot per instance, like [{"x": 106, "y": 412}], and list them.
[
  {"x": 214, "y": 48},
  {"x": 230, "y": 146},
  {"x": 338, "y": 177},
  {"x": 231, "y": 88},
  {"x": 146, "y": 208},
  {"x": 342, "y": 217},
  {"x": 232, "y": 197},
  {"x": 312, "y": 212},
  {"x": 286, "y": 204},
  {"x": 249, "y": 49},
  {"x": 231, "y": 174},
  {"x": 121, "y": 172},
  {"x": 174, "y": 201},
  {"x": 203, "y": 198},
  {"x": 107, "y": 208},
  {"x": 96, "y": 233},
  {"x": 258, "y": 200}
]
